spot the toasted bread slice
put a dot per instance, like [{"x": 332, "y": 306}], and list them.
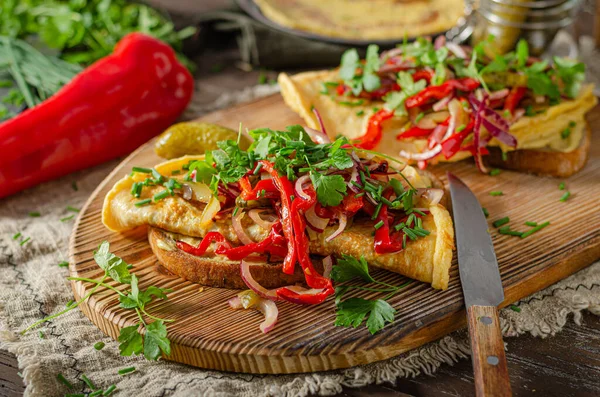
[
  {"x": 217, "y": 271},
  {"x": 544, "y": 162}
]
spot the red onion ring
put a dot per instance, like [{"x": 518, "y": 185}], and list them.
[
  {"x": 432, "y": 195},
  {"x": 499, "y": 94},
  {"x": 187, "y": 191},
  {"x": 477, "y": 135},
  {"x": 298, "y": 187},
  {"x": 439, "y": 42},
  {"x": 354, "y": 177},
  {"x": 518, "y": 114},
  {"x": 235, "y": 303},
  {"x": 236, "y": 222},
  {"x": 254, "y": 214},
  {"x": 324, "y": 137},
  {"x": 426, "y": 155},
  {"x": 254, "y": 285},
  {"x": 267, "y": 307},
  {"x": 343, "y": 219},
  {"x": 456, "y": 50}
]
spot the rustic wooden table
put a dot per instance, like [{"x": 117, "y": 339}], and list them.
[{"x": 567, "y": 364}]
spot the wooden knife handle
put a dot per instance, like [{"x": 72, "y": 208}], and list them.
[{"x": 489, "y": 360}]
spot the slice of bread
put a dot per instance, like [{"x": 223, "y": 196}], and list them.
[
  {"x": 217, "y": 271},
  {"x": 544, "y": 162}
]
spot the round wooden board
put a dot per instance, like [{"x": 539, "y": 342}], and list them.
[{"x": 208, "y": 334}]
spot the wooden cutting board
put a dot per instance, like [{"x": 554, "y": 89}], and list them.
[{"x": 206, "y": 333}]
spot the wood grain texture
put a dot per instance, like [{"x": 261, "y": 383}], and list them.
[
  {"x": 207, "y": 334},
  {"x": 489, "y": 361}
]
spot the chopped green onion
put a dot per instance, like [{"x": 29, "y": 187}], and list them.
[
  {"x": 143, "y": 202},
  {"x": 419, "y": 223},
  {"x": 460, "y": 128},
  {"x": 235, "y": 211},
  {"x": 175, "y": 172},
  {"x": 75, "y": 395},
  {"x": 109, "y": 390},
  {"x": 41, "y": 335},
  {"x": 515, "y": 308},
  {"x": 397, "y": 186},
  {"x": 360, "y": 112},
  {"x": 360, "y": 194},
  {"x": 157, "y": 176},
  {"x": 136, "y": 189},
  {"x": 16, "y": 235},
  {"x": 535, "y": 229},
  {"x": 126, "y": 370},
  {"x": 495, "y": 172},
  {"x": 142, "y": 170},
  {"x": 74, "y": 186},
  {"x": 506, "y": 230},
  {"x": 96, "y": 393},
  {"x": 399, "y": 226},
  {"x": 532, "y": 224},
  {"x": 70, "y": 303},
  {"x": 25, "y": 241},
  {"x": 565, "y": 196},
  {"x": 161, "y": 195},
  {"x": 422, "y": 232},
  {"x": 72, "y": 209},
  {"x": 349, "y": 103},
  {"x": 404, "y": 241},
  {"x": 376, "y": 213},
  {"x": 485, "y": 212},
  {"x": 419, "y": 117},
  {"x": 504, "y": 156},
  {"x": 67, "y": 218},
  {"x": 257, "y": 169},
  {"x": 35, "y": 214},
  {"x": 496, "y": 193},
  {"x": 331, "y": 84},
  {"x": 410, "y": 233},
  {"x": 572, "y": 124},
  {"x": 502, "y": 221},
  {"x": 88, "y": 382},
  {"x": 561, "y": 186},
  {"x": 63, "y": 264},
  {"x": 564, "y": 134},
  {"x": 378, "y": 225},
  {"x": 410, "y": 220},
  {"x": 64, "y": 381},
  {"x": 386, "y": 201},
  {"x": 99, "y": 345}
]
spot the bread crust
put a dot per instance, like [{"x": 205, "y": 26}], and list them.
[{"x": 544, "y": 163}]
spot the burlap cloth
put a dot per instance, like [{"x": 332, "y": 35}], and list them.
[{"x": 32, "y": 286}]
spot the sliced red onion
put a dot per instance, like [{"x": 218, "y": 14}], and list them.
[
  {"x": 271, "y": 313},
  {"x": 431, "y": 120},
  {"x": 371, "y": 199},
  {"x": 442, "y": 103},
  {"x": 254, "y": 285},
  {"x": 498, "y": 133},
  {"x": 391, "y": 53},
  {"x": 499, "y": 94},
  {"x": 299, "y": 189},
  {"x": 437, "y": 135},
  {"x": 235, "y": 303},
  {"x": 343, "y": 219},
  {"x": 316, "y": 136},
  {"x": 477, "y": 135},
  {"x": 439, "y": 42},
  {"x": 432, "y": 195},
  {"x": 316, "y": 222},
  {"x": 324, "y": 136},
  {"x": 354, "y": 177},
  {"x": 187, "y": 191},
  {"x": 236, "y": 222},
  {"x": 254, "y": 214},
  {"x": 426, "y": 155},
  {"x": 456, "y": 50},
  {"x": 518, "y": 114},
  {"x": 327, "y": 266}
]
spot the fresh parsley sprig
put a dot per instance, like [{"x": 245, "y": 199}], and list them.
[
  {"x": 359, "y": 76},
  {"x": 155, "y": 339},
  {"x": 353, "y": 311}
]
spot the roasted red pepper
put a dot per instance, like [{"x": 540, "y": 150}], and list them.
[
  {"x": 263, "y": 189},
  {"x": 383, "y": 242},
  {"x": 351, "y": 204},
  {"x": 374, "y": 129},
  {"x": 211, "y": 237},
  {"x": 440, "y": 91},
  {"x": 304, "y": 298},
  {"x": 452, "y": 144},
  {"x": 513, "y": 98},
  {"x": 414, "y": 132},
  {"x": 423, "y": 74},
  {"x": 106, "y": 111}
]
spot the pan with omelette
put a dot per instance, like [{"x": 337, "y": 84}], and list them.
[
  {"x": 427, "y": 102},
  {"x": 277, "y": 214}
]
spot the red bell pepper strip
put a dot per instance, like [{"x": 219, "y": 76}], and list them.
[
  {"x": 351, "y": 204},
  {"x": 106, "y": 111},
  {"x": 304, "y": 299},
  {"x": 383, "y": 242},
  {"x": 211, "y": 237},
  {"x": 374, "y": 129},
  {"x": 256, "y": 192},
  {"x": 423, "y": 74},
  {"x": 440, "y": 91},
  {"x": 452, "y": 144},
  {"x": 286, "y": 192},
  {"x": 513, "y": 98},
  {"x": 414, "y": 132}
]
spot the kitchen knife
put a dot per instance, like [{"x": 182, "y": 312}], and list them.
[{"x": 482, "y": 289}]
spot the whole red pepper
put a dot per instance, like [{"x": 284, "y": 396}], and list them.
[
  {"x": 440, "y": 91},
  {"x": 374, "y": 129},
  {"x": 106, "y": 111},
  {"x": 513, "y": 98}
]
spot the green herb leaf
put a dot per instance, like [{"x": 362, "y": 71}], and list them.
[
  {"x": 353, "y": 311},
  {"x": 348, "y": 267},
  {"x": 330, "y": 188},
  {"x": 115, "y": 267},
  {"x": 131, "y": 341},
  {"x": 156, "y": 341}
]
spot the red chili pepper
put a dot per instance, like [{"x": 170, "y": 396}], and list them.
[
  {"x": 513, "y": 98},
  {"x": 374, "y": 129},
  {"x": 414, "y": 132},
  {"x": 383, "y": 242},
  {"x": 106, "y": 111},
  {"x": 286, "y": 191},
  {"x": 341, "y": 89},
  {"x": 256, "y": 192},
  {"x": 423, "y": 74},
  {"x": 452, "y": 144},
  {"x": 440, "y": 91}
]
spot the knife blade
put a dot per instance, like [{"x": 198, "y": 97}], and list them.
[
  {"x": 482, "y": 290},
  {"x": 478, "y": 266}
]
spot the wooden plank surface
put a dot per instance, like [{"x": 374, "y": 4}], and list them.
[{"x": 306, "y": 340}]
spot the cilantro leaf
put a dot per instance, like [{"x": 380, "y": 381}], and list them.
[
  {"x": 498, "y": 65},
  {"x": 370, "y": 79},
  {"x": 139, "y": 299},
  {"x": 367, "y": 78},
  {"x": 349, "y": 63},
  {"x": 114, "y": 266},
  {"x": 522, "y": 53},
  {"x": 204, "y": 172},
  {"x": 131, "y": 341},
  {"x": 572, "y": 74},
  {"x": 156, "y": 340},
  {"x": 330, "y": 188},
  {"x": 348, "y": 267},
  {"x": 353, "y": 311},
  {"x": 394, "y": 100},
  {"x": 540, "y": 82}
]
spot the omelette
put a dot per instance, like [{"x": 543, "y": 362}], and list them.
[
  {"x": 325, "y": 199},
  {"x": 427, "y": 102},
  {"x": 365, "y": 19}
]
